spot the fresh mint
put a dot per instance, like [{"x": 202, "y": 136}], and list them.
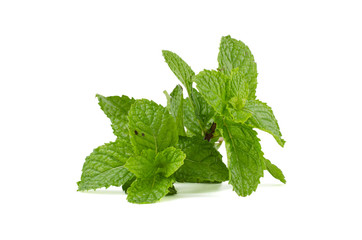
[{"x": 157, "y": 146}]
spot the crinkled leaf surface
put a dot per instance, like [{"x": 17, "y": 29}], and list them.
[
  {"x": 226, "y": 94},
  {"x": 212, "y": 86},
  {"x": 191, "y": 121},
  {"x": 275, "y": 171},
  {"x": 245, "y": 158},
  {"x": 235, "y": 54},
  {"x": 116, "y": 108},
  {"x": 151, "y": 126},
  {"x": 237, "y": 90},
  {"x": 204, "y": 112},
  {"x": 104, "y": 167},
  {"x": 143, "y": 165},
  {"x": 180, "y": 68},
  {"x": 148, "y": 163},
  {"x": 203, "y": 163},
  {"x": 197, "y": 115},
  {"x": 263, "y": 118},
  {"x": 169, "y": 160},
  {"x": 239, "y": 116},
  {"x": 149, "y": 190}
]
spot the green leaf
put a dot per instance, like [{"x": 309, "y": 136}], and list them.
[
  {"x": 171, "y": 190},
  {"x": 235, "y": 54},
  {"x": 197, "y": 116},
  {"x": 203, "y": 163},
  {"x": 237, "y": 90},
  {"x": 169, "y": 160},
  {"x": 203, "y": 111},
  {"x": 180, "y": 68},
  {"x": 239, "y": 116},
  {"x": 151, "y": 126},
  {"x": 143, "y": 165},
  {"x": 104, "y": 166},
  {"x": 245, "y": 158},
  {"x": 168, "y": 99},
  {"x": 176, "y": 109},
  {"x": 275, "y": 171},
  {"x": 116, "y": 108},
  {"x": 212, "y": 86},
  {"x": 148, "y": 163},
  {"x": 149, "y": 190},
  {"x": 263, "y": 118},
  {"x": 126, "y": 185},
  {"x": 191, "y": 121},
  {"x": 226, "y": 94}
]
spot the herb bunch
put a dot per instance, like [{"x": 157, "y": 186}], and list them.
[{"x": 157, "y": 146}]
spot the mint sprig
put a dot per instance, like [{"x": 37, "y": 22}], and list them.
[{"x": 157, "y": 146}]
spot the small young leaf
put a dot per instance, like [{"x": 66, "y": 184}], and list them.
[
  {"x": 169, "y": 160},
  {"x": 263, "y": 118},
  {"x": 239, "y": 116},
  {"x": 203, "y": 163},
  {"x": 104, "y": 166},
  {"x": 176, "y": 109},
  {"x": 275, "y": 171},
  {"x": 149, "y": 190},
  {"x": 116, "y": 108},
  {"x": 237, "y": 90},
  {"x": 226, "y": 94},
  {"x": 151, "y": 126}
]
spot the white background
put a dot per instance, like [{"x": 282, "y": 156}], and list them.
[{"x": 56, "y": 55}]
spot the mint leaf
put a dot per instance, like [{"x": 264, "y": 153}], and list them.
[
  {"x": 104, "y": 166},
  {"x": 158, "y": 145},
  {"x": 151, "y": 126},
  {"x": 263, "y": 118},
  {"x": 239, "y": 116},
  {"x": 191, "y": 121},
  {"x": 245, "y": 158},
  {"x": 203, "y": 111},
  {"x": 226, "y": 94},
  {"x": 203, "y": 163},
  {"x": 149, "y": 190},
  {"x": 176, "y": 109},
  {"x": 180, "y": 68},
  {"x": 116, "y": 108},
  {"x": 148, "y": 163},
  {"x": 237, "y": 90},
  {"x": 169, "y": 160},
  {"x": 143, "y": 165},
  {"x": 194, "y": 104},
  {"x": 198, "y": 115},
  {"x": 235, "y": 54},
  {"x": 212, "y": 86},
  {"x": 275, "y": 171}
]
